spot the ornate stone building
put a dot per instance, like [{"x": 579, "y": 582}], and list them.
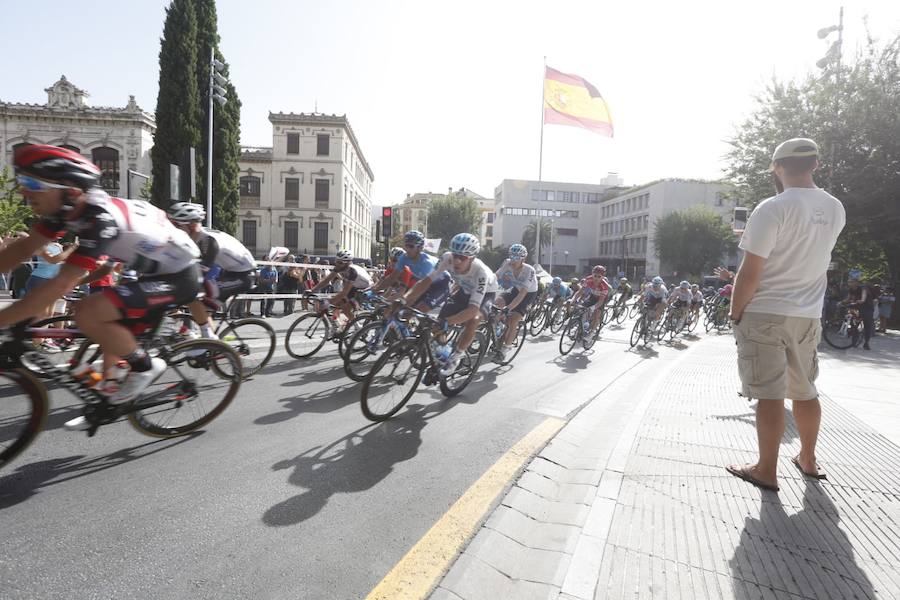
[
  {"x": 116, "y": 139},
  {"x": 310, "y": 191}
]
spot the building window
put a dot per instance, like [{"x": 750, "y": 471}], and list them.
[
  {"x": 250, "y": 191},
  {"x": 291, "y": 235},
  {"x": 293, "y": 143},
  {"x": 248, "y": 235},
  {"x": 321, "y": 193},
  {"x": 320, "y": 238},
  {"x": 489, "y": 231},
  {"x": 566, "y": 231},
  {"x": 291, "y": 192},
  {"x": 323, "y": 141},
  {"x": 490, "y": 217},
  {"x": 108, "y": 161}
]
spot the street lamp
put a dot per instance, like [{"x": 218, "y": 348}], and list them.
[{"x": 217, "y": 92}]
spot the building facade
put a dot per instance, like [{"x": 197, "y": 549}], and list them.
[
  {"x": 626, "y": 221},
  {"x": 118, "y": 140},
  {"x": 310, "y": 191},
  {"x": 412, "y": 213}
]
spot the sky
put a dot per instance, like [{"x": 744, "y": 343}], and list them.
[{"x": 448, "y": 94}]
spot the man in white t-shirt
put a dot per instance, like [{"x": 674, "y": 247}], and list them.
[{"x": 776, "y": 307}]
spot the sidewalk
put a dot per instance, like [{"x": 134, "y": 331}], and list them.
[{"x": 631, "y": 499}]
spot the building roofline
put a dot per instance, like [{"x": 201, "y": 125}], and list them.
[
  {"x": 87, "y": 112},
  {"x": 323, "y": 119},
  {"x": 636, "y": 188}
]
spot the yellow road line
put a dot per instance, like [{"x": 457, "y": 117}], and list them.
[{"x": 419, "y": 570}]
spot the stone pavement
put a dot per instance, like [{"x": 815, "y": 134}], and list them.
[{"x": 631, "y": 500}]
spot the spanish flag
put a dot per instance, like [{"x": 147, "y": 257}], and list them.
[{"x": 570, "y": 100}]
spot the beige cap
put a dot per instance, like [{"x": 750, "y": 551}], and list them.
[{"x": 795, "y": 147}]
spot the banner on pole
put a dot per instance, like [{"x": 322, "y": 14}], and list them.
[{"x": 432, "y": 245}]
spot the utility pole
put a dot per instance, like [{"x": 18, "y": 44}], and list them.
[{"x": 217, "y": 92}]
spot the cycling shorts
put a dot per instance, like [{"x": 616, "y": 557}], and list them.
[
  {"x": 522, "y": 307},
  {"x": 593, "y": 299},
  {"x": 149, "y": 298},
  {"x": 459, "y": 302},
  {"x": 652, "y": 301},
  {"x": 233, "y": 283},
  {"x": 437, "y": 293}
]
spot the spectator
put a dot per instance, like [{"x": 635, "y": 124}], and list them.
[
  {"x": 885, "y": 307},
  {"x": 776, "y": 308},
  {"x": 861, "y": 296},
  {"x": 266, "y": 282},
  {"x": 287, "y": 284}
]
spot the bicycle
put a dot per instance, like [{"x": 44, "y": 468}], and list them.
[
  {"x": 494, "y": 330},
  {"x": 371, "y": 340},
  {"x": 577, "y": 328},
  {"x": 673, "y": 323},
  {"x": 619, "y": 311},
  {"x": 842, "y": 328},
  {"x": 644, "y": 328},
  {"x": 156, "y": 412},
  {"x": 306, "y": 336},
  {"x": 412, "y": 361}
]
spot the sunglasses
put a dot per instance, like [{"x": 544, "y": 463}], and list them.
[
  {"x": 36, "y": 185},
  {"x": 459, "y": 256},
  {"x": 411, "y": 246}
]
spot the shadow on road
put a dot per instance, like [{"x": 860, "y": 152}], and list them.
[
  {"x": 321, "y": 402},
  {"x": 572, "y": 363},
  {"x": 27, "y": 480}
]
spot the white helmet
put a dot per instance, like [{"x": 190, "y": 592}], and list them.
[
  {"x": 518, "y": 252},
  {"x": 343, "y": 256},
  {"x": 186, "y": 212},
  {"x": 396, "y": 252},
  {"x": 277, "y": 253},
  {"x": 465, "y": 244}
]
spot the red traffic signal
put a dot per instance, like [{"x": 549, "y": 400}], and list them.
[
  {"x": 386, "y": 225},
  {"x": 386, "y": 212}
]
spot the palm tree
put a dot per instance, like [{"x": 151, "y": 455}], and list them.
[{"x": 529, "y": 234}]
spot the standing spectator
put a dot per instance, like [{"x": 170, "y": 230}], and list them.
[
  {"x": 268, "y": 279},
  {"x": 287, "y": 284},
  {"x": 885, "y": 307},
  {"x": 861, "y": 297},
  {"x": 777, "y": 305}
]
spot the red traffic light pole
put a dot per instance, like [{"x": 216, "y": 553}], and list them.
[{"x": 387, "y": 227}]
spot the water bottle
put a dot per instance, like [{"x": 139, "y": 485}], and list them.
[
  {"x": 86, "y": 374},
  {"x": 114, "y": 377},
  {"x": 443, "y": 353}
]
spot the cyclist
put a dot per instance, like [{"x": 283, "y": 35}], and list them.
[
  {"x": 471, "y": 302},
  {"x": 696, "y": 302},
  {"x": 395, "y": 286},
  {"x": 228, "y": 267},
  {"x": 62, "y": 187},
  {"x": 559, "y": 291},
  {"x": 625, "y": 291},
  {"x": 680, "y": 299},
  {"x": 596, "y": 292},
  {"x": 655, "y": 295},
  {"x": 575, "y": 285},
  {"x": 353, "y": 279},
  {"x": 520, "y": 281},
  {"x": 422, "y": 265}
]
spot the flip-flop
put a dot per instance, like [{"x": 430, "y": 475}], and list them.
[
  {"x": 743, "y": 473},
  {"x": 819, "y": 475}
]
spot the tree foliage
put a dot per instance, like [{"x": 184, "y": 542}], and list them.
[
  {"x": 855, "y": 120},
  {"x": 449, "y": 215},
  {"x": 693, "y": 240},
  {"x": 530, "y": 233},
  {"x": 14, "y": 213},
  {"x": 178, "y": 102}
]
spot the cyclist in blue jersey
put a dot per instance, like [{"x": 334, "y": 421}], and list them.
[
  {"x": 559, "y": 291},
  {"x": 421, "y": 264}
]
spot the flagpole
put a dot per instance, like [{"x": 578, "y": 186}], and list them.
[{"x": 537, "y": 242}]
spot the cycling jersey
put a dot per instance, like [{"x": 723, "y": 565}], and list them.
[
  {"x": 598, "y": 286},
  {"x": 525, "y": 280},
  {"x": 356, "y": 276},
  {"x": 697, "y": 298},
  {"x": 132, "y": 232},
  {"x": 651, "y": 294},
  {"x": 406, "y": 275},
  {"x": 625, "y": 290},
  {"x": 219, "y": 248},
  {"x": 682, "y": 295},
  {"x": 477, "y": 282},
  {"x": 563, "y": 291},
  {"x": 421, "y": 267}
]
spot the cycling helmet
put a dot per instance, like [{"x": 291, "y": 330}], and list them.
[
  {"x": 657, "y": 280},
  {"x": 465, "y": 244},
  {"x": 343, "y": 256},
  {"x": 275, "y": 252},
  {"x": 414, "y": 237},
  {"x": 56, "y": 164},
  {"x": 684, "y": 285},
  {"x": 599, "y": 269},
  {"x": 623, "y": 280},
  {"x": 695, "y": 287},
  {"x": 518, "y": 252},
  {"x": 575, "y": 281},
  {"x": 396, "y": 252},
  {"x": 556, "y": 282},
  {"x": 186, "y": 212}
]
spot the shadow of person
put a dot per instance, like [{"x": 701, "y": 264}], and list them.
[
  {"x": 805, "y": 554},
  {"x": 353, "y": 463},
  {"x": 790, "y": 425},
  {"x": 572, "y": 363},
  {"x": 322, "y": 402}
]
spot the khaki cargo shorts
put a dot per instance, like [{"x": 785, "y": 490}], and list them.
[{"x": 777, "y": 356}]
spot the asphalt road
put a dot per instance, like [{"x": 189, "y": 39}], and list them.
[{"x": 291, "y": 493}]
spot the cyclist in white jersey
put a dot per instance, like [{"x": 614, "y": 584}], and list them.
[
  {"x": 228, "y": 267},
  {"x": 476, "y": 288},
  {"x": 353, "y": 278},
  {"x": 654, "y": 297},
  {"x": 62, "y": 187},
  {"x": 680, "y": 299},
  {"x": 521, "y": 285}
]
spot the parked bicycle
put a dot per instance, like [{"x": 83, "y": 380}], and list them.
[{"x": 842, "y": 328}]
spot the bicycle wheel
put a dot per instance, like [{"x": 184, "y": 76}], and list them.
[
  {"x": 59, "y": 350},
  {"x": 365, "y": 348},
  {"x": 637, "y": 332},
  {"x": 517, "y": 344},
  {"x": 306, "y": 335},
  {"x": 23, "y": 411},
  {"x": 253, "y": 340},
  {"x": 695, "y": 319},
  {"x": 589, "y": 339},
  {"x": 539, "y": 321},
  {"x": 557, "y": 320},
  {"x": 393, "y": 380},
  {"x": 191, "y": 392},
  {"x": 650, "y": 331},
  {"x": 465, "y": 370},
  {"x": 352, "y": 328},
  {"x": 634, "y": 310},
  {"x": 571, "y": 334}
]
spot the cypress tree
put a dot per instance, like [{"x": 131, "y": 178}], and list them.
[{"x": 178, "y": 103}]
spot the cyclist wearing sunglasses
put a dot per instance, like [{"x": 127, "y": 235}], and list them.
[
  {"x": 421, "y": 264},
  {"x": 62, "y": 187},
  {"x": 472, "y": 300},
  {"x": 520, "y": 281}
]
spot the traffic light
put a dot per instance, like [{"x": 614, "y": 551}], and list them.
[{"x": 386, "y": 227}]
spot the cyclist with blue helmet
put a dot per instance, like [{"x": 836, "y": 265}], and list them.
[
  {"x": 476, "y": 288},
  {"x": 680, "y": 299},
  {"x": 559, "y": 291},
  {"x": 655, "y": 295},
  {"x": 421, "y": 265},
  {"x": 521, "y": 285}
]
